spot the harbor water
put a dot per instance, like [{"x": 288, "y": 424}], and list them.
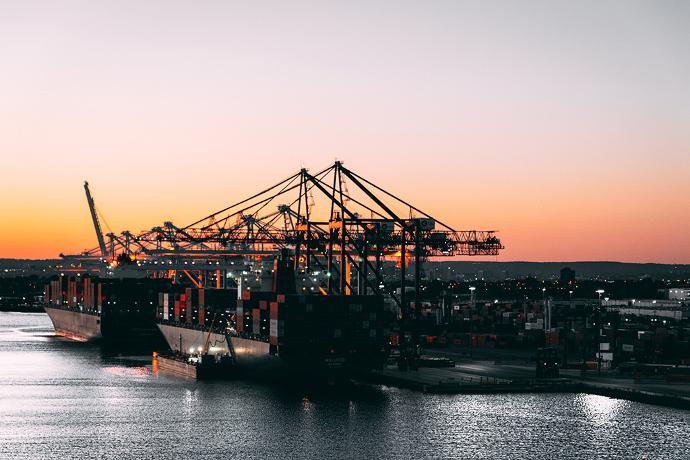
[{"x": 62, "y": 399}]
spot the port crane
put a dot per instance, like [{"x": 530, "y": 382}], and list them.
[{"x": 337, "y": 224}]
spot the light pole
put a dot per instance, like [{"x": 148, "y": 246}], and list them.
[
  {"x": 546, "y": 318},
  {"x": 472, "y": 289},
  {"x": 569, "y": 329},
  {"x": 600, "y": 292}
]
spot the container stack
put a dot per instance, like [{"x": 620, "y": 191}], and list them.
[
  {"x": 80, "y": 293},
  {"x": 332, "y": 329},
  {"x": 197, "y": 307}
]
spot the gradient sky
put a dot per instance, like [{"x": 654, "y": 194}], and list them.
[{"x": 564, "y": 125}]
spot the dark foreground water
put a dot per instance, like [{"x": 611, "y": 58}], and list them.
[{"x": 60, "y": 399}]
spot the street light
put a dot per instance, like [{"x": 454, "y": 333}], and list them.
[
  {"x": 569, "y": 330},
  {"x": 547, "y": 320},
  {"x": 472, "y": 289},
  {"x": 600, "y": 292}
]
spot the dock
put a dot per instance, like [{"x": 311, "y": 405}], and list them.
[{"x": 456, "y": 380}]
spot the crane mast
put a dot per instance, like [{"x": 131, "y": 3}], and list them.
[{"x": 96, "y": 223}]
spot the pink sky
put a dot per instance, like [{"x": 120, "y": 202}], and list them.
[{"x": 565, "y": 127}]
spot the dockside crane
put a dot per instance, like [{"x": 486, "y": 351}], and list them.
[
  {"x": 334, "y": 222},
  {"x": 338, "y": 227},
  {"x": 96, "y": 223}
]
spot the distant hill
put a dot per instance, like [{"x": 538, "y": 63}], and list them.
[
  {"x": 608, "y": 270},
  {"x": 27, "y": 263}
]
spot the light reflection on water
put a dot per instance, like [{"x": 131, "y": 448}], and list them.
[
  {"x": 64, "y": 400},
  {"x": 600, "y": 409}
]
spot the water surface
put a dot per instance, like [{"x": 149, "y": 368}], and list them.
[{"x": 60, "y": 399}]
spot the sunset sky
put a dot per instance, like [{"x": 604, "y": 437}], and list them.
[{"x": 564, "y": 125}]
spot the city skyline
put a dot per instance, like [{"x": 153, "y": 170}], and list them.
[{"x": 564, "y": 127}]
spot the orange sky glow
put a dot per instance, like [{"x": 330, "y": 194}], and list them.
[{"x": 564, "y": 127}]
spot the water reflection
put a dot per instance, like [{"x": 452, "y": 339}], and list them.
[
  {"x": 600, "y": 409},
  {"x": 64, "y": 400}
]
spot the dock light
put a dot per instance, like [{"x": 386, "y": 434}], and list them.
[{"x": 191, "y": 350}]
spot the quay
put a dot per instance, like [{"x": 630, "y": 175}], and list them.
[{"x": 488, "y": 377}]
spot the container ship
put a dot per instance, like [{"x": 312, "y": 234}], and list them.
[
  {"x": 275, "y": 333},
  {"x": 118, "y": 312}
]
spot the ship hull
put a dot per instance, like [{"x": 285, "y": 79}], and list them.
[
  {"x": 115, "y": 332},
  {"x": 255, "y": 358},
  {"x": 75, "y": 325}
]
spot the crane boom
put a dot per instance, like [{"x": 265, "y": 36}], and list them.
[
  {"x": 96, "y": 223},
  {"x": 246, "y": 229}
]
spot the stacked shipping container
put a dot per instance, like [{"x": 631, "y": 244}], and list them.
[
  {"x": 337, "y": 330},
  {"x": 197, "y": 307}
]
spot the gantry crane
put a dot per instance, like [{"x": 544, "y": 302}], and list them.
[{"x": 330, "y": 228}]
